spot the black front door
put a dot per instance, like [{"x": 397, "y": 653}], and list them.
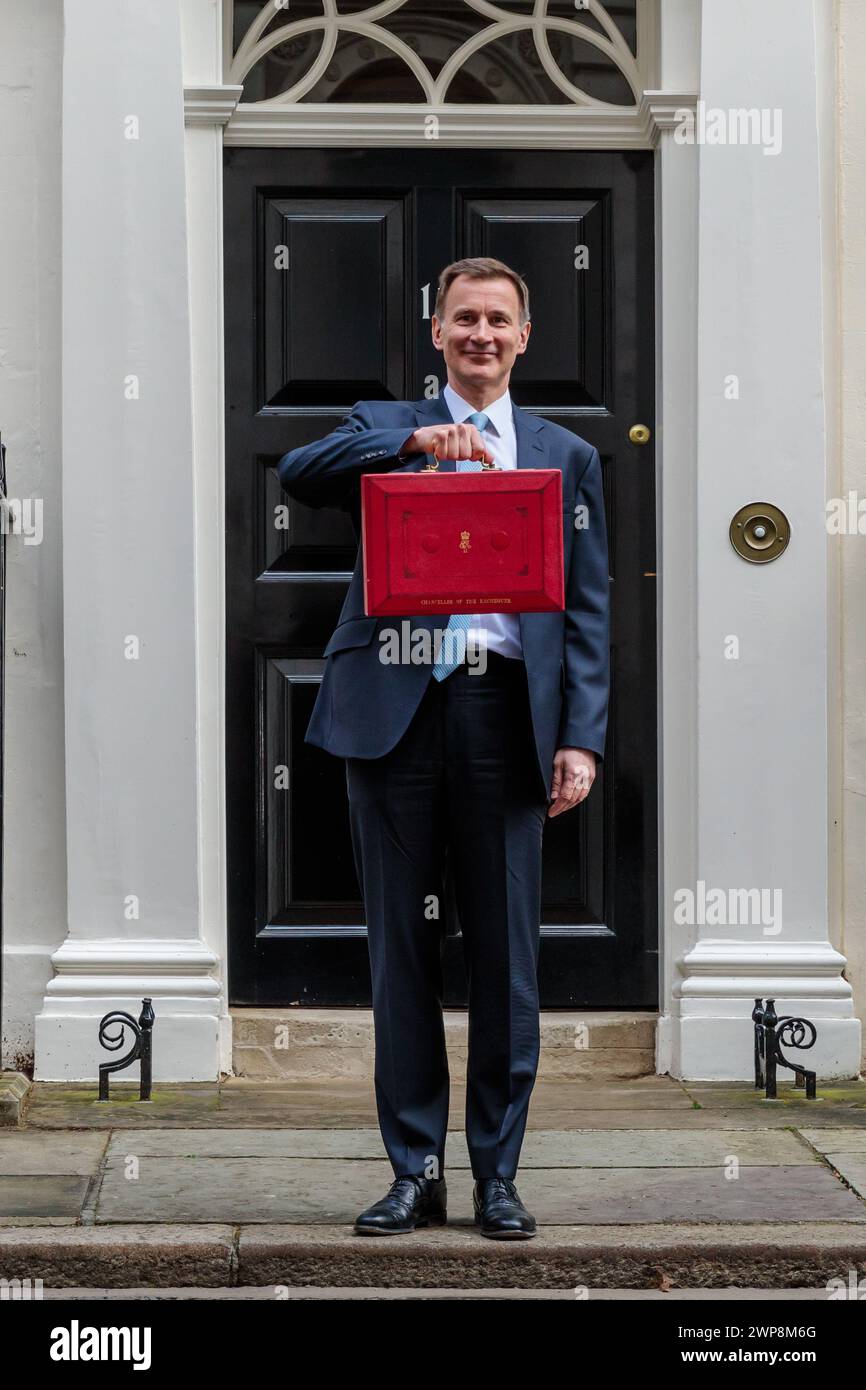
[{"x": 331, "y": 262}]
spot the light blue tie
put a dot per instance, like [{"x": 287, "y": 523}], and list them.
[{"x": 454, "y": 638}]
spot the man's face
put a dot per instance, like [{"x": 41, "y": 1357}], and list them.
[{"x": 479, "y": 333}]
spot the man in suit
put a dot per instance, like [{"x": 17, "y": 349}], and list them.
[{"x": 456, "y": 764}]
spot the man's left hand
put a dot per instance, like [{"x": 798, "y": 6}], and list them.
[{"x": 573, "y": 775}]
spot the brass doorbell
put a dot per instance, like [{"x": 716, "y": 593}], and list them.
[{"x": 760, "y": 532}]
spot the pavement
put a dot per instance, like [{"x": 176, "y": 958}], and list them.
[{"x": 646, "y": 1187}]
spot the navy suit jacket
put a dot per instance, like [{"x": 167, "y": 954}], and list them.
[{"x": 365, "y": 705}]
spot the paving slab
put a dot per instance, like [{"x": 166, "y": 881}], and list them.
[
  {"x": 652, "y": 1148},
  {"x": 248, "y": 1143},
  {"x": 658, "y": 1195},
  {"x": 852, "y": 1168},
  {"x": 848, "y": 1094},
  {"x": 639, "y": 1103},
  {"x": 42, "y": 1199},
  {"x": 737, "y": 1117},
  {"x": 541, "y": 1148},
  {"x": 850, "y": 1141},
  {"x": 240, "y": 1190},
  {"x": 641, "y": 1093},
  {"x": 22, "y": 1152},
  {"x": 329, "y": 1191},
  {"x": 562, "y": 1117},
  {"x": 58, "y": 1106}
]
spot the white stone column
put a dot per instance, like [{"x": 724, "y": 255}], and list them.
[
  {"x": 761, "y": 763},
  {"x": 677, "y": 203},
  {"x": 209, "y": 104},
  {"x": 852, "y": 376},
  {"x": 132, "y": 791}
]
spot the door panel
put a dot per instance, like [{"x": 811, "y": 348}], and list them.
[
  {"x": 567, "y": 362},
  {"x": 331, "y": 264},
  {"x": 305, "y": 243}
]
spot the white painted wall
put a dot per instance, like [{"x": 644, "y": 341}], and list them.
[
  {"x": 201, "y": 56},
  {"x": 677, "y": 224},
  {"x": 852, "y": 549},
  {"x": 765, "y": 721},
  {"x": 129, "y": 590},
  {"x": 34, "y": 888}
]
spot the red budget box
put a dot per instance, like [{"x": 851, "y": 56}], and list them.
[{"x": 454, "y": 542}]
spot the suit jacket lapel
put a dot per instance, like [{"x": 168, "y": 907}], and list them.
[{"x": 529, "y": 445}]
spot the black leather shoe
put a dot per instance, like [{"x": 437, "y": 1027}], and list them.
[
  {"x": 499, "y": 1210},
  {"x": 409, "y": 1202}
]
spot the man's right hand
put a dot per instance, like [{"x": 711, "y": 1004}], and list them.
[{"x": 449, "y": 442}]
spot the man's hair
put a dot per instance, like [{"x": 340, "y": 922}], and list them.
[{"x": 482, "y": 268}]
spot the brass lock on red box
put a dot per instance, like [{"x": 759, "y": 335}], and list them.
[{"x": 488, "y": 541}]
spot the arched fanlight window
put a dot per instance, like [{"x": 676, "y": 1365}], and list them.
[{"x": 436, "y": 53}]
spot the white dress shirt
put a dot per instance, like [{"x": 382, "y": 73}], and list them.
[{"x": 497, "y": 632}]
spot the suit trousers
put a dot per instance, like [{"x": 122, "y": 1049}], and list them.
[{"x": 461, "y": 786}]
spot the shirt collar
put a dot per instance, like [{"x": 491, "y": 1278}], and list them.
[{"x": 498, "y": 411}]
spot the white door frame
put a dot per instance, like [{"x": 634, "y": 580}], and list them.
[{"x": 707, "y": 976}]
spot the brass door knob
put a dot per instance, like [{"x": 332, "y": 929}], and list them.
[{"x": 639, "y": 434}]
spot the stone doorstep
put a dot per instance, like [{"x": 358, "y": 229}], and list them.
[
  {"x": 561, "y": 1257},
  {"x": 328, "y": 1063},
  {"x": 351, "y": 1027},
  {"x": 339, "y": 1043}
]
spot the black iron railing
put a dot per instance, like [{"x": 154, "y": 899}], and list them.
[{"x": 771, "y": 1032}]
